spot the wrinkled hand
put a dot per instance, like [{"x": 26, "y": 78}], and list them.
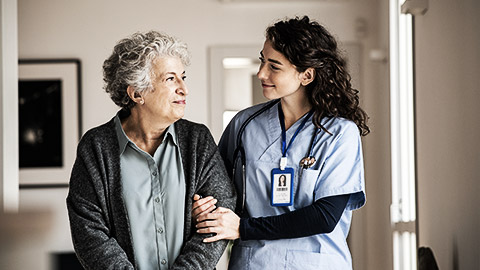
[
  {"x": 202, "y": 205},
  {"x": 223, "y": 222}
]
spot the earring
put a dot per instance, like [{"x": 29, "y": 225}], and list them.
[{"x": 142, "y": 101}]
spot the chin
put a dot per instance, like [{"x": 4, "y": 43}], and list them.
[
  {"x": 179, "y": 116},
  {"x": 268, "y": 95}
]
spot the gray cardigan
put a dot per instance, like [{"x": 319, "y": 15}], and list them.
[{"x": 98, "y": 218}]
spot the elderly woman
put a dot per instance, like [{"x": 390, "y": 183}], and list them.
[{"x": 134, "y": 178}]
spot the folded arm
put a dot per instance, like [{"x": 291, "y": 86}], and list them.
[
  {"x": 94, "y": 244},
  {"x": 210, "y": 178}
]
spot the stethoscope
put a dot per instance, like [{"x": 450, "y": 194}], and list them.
[{"x": 305, "y": 163}]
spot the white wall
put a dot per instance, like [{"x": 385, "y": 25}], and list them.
[
  {"x": 89, "y": 29},
  {"x": 8, "y": 106},
  {"x": 238, "y": 84},
  {"x": 448, "y": 94}
]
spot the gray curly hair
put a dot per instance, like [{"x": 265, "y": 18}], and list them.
[{"x": 131, "y": 63}]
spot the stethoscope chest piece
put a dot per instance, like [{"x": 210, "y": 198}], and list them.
[{"x": 307, "y": 162}]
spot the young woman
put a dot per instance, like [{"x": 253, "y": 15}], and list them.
[{"x": 309, "y": 133}]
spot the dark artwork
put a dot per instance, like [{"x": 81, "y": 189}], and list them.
[{"x": 40, "y": 123}]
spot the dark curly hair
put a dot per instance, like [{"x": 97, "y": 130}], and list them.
[{"x": 307, "y": 44}]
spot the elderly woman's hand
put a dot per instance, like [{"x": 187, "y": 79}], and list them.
[
  {"x": 223, "y": 222},
  {"x": 202, "y": 205}
]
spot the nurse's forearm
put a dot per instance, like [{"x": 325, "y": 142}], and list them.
[{"x": 320, "y": 217}]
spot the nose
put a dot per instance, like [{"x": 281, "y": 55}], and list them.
[
  {"x": 262, "y": 74},
  {"x": 182, "y": 88}
]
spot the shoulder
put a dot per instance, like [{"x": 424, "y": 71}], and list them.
[
  {"x": 344, "y": 134},
  {"x": 251, "y": 110},
  {"x": 184, "y": 126},
  {"x": 99, "y": 132},
  {"x": 191, "y": 134},
  {"x": 341, "y": 127},
  {"x": 102, "y": 135},
  {"x": 244, "y": 114}
]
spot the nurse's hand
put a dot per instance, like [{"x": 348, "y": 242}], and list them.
[
  {"x": 202, "y": 205},
  {"x": 223, "y": 222}
]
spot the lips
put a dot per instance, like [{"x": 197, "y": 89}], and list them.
[
  {"x": 265, "y": 85},
  {"x": 181, "y": 102}
]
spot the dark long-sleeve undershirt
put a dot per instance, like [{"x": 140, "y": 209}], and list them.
[{"x": 320, "y": 217}]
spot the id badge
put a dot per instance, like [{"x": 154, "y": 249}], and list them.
[{"x": 282, "y": 187}]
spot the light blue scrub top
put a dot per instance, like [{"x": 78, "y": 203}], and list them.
[{"x": 338, "y": 170}]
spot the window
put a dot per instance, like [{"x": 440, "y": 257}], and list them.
[{"x": 403, "y": 208}]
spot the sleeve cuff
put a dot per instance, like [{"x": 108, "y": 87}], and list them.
[{"x": 243, "y": 228}]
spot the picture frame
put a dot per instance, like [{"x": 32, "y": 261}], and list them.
[{"x": 49, "y": 120}]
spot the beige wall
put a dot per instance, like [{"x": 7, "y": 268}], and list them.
[
  {"x": 377, "y": 247},
  {"x": 447, "y": 51},
  {"x": 89, "y": 29}
]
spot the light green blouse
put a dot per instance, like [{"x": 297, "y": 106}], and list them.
[{"x": 154, "y": 194}]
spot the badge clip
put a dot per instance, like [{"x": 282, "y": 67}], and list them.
[
  {"x": 283, "y": 163},
  {"x": 307, "y": 162}
]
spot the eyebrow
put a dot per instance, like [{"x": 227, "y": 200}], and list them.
[
  {"x": 173, "y": 73},
  {"x": 272, "y": 60}
]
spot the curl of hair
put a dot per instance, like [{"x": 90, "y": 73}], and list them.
[
  {"x": 131, "y": 61},
  {"x": 307, "y": 44}
]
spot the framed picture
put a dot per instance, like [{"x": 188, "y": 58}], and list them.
[{"x": 49, "y": 102}]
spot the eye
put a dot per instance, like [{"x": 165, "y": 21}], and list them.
[
  {"x": 184, "y": 78},
  {"x": 170, "y": 78},
  {"x": 262, "y": 60},
  {"x": 274, "y": 67}
]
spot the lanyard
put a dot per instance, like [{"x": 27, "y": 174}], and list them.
[{"x": 285, "y": 147}]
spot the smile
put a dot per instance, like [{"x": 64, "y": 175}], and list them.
[
  {"x": 264, "y": 85},
  {"x": 181, "y": 102}
]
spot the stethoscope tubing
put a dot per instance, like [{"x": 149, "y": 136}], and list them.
[{"x": 241, "y": 150}]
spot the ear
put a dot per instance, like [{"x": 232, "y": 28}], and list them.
[
  {"x": 307, "y": 76},
  {"x": 134, "y": 95}
]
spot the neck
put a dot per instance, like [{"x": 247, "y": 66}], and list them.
[
  {"x": 294, "y": 108},
  {"x": 146, "y": 134}
]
